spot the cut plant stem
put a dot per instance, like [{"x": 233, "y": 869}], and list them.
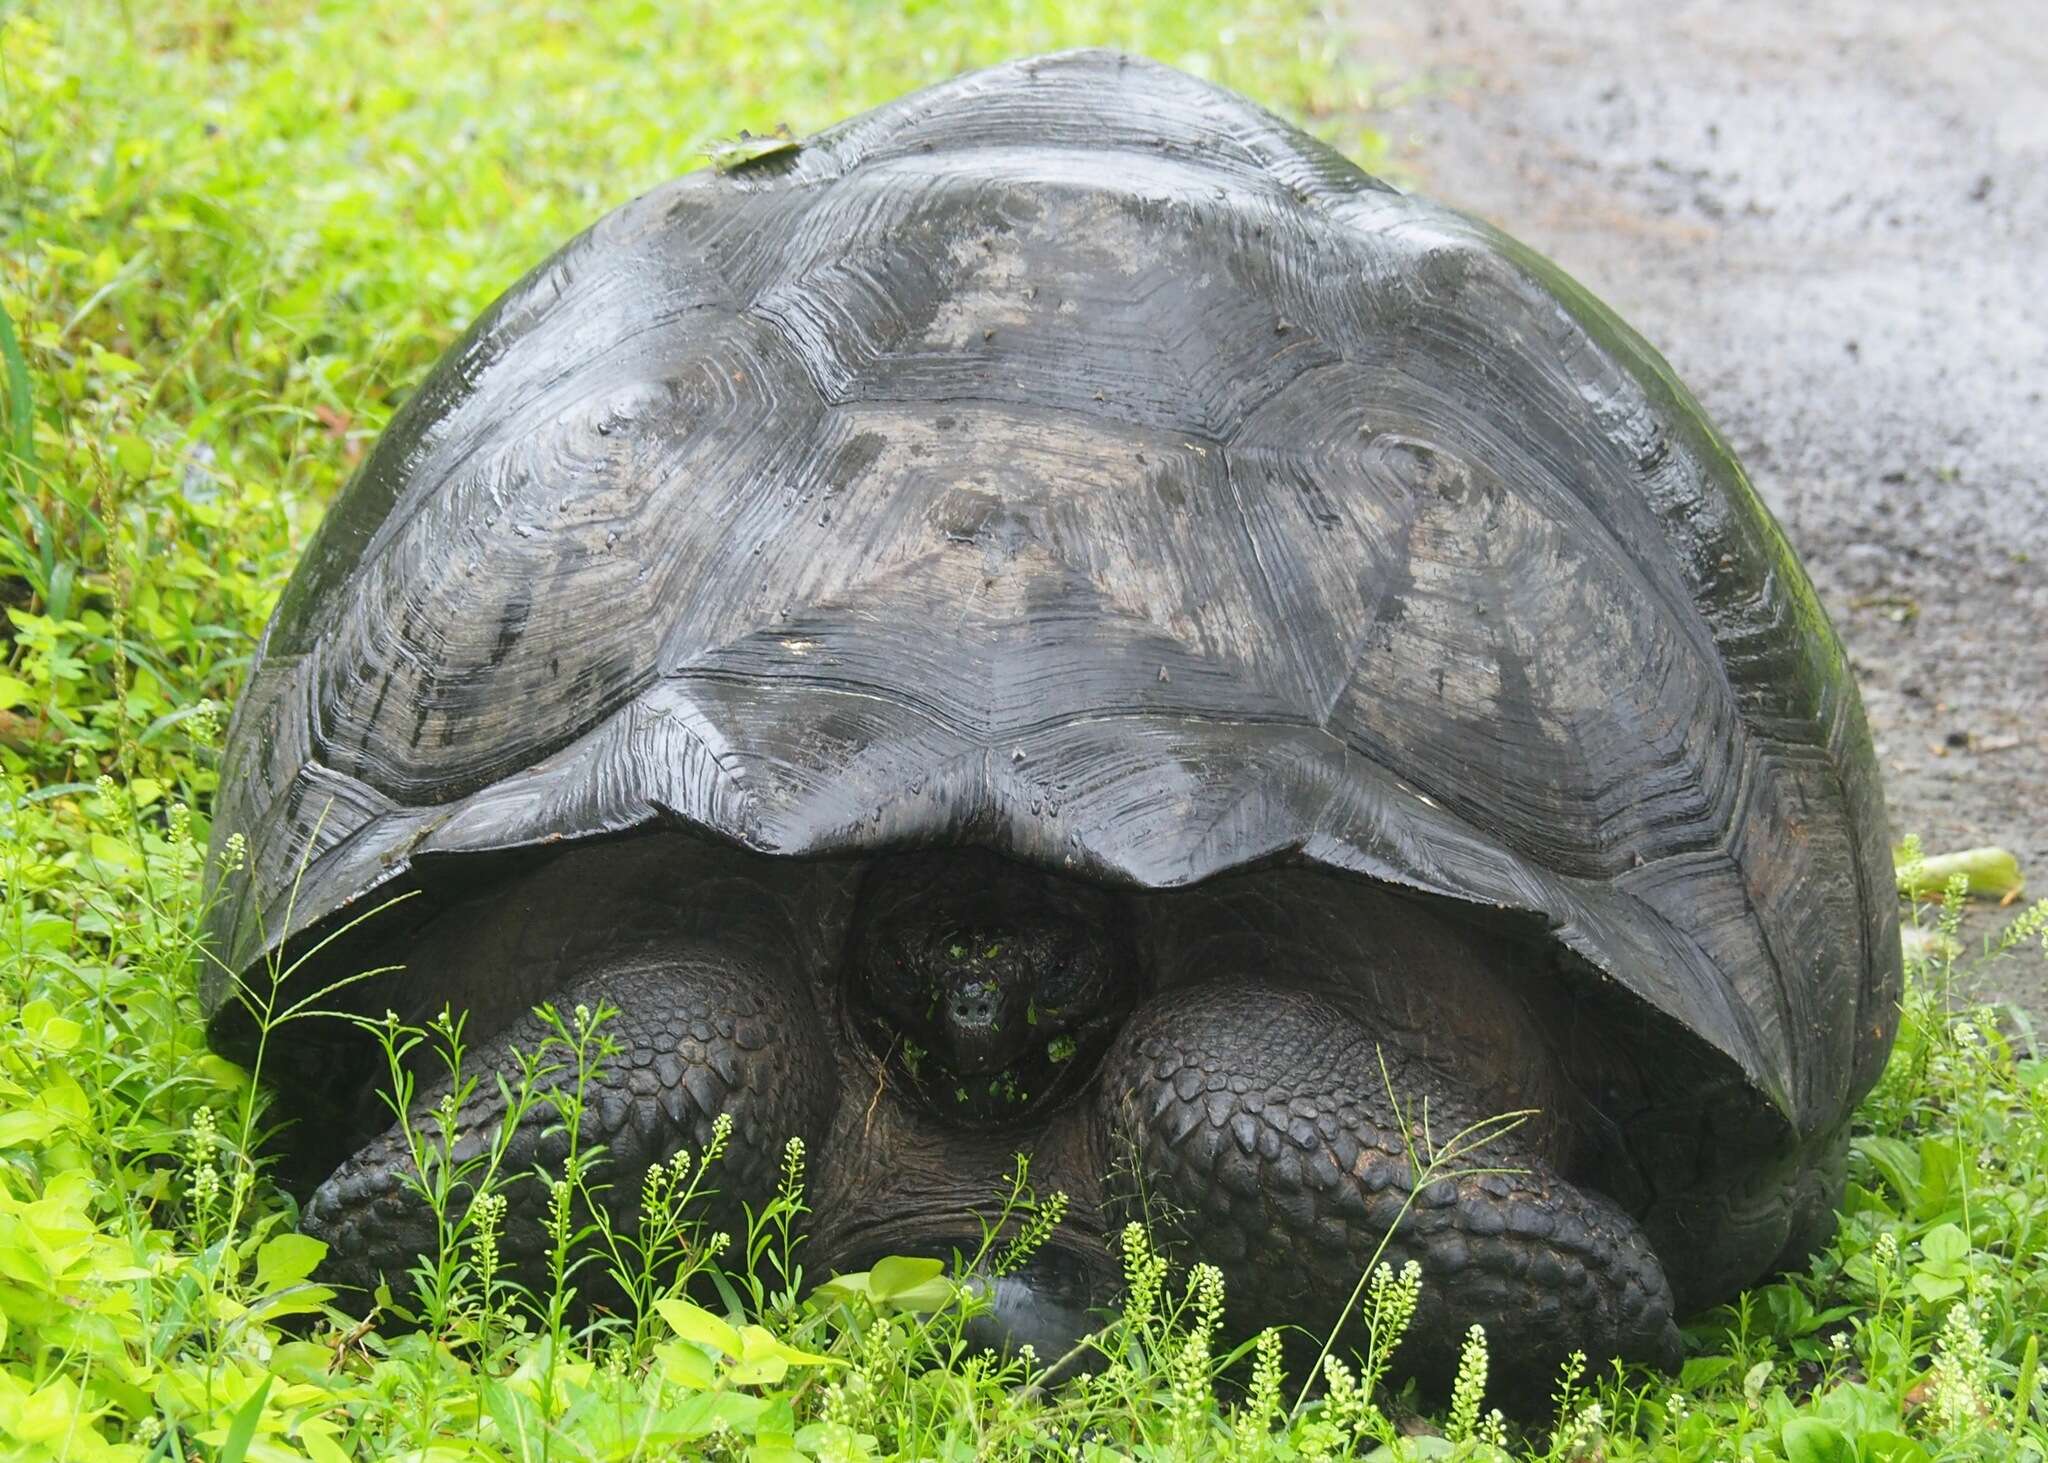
[{"x": 1992, "y": 873}]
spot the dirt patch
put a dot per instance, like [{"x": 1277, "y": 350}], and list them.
[{"x": 1833, "y": 220}]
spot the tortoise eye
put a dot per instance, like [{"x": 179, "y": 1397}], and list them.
[{"x": 1066, "y": 983}]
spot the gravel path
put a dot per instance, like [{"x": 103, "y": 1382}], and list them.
[{"x": 1833, "y": 219}]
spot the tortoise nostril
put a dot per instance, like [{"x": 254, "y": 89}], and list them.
[{"x": 973, "y": 1010}]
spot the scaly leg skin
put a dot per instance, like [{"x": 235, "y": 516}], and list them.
[
  {"x": 700, "y": 1032},
  {"x": 1264, "y": 1135}
]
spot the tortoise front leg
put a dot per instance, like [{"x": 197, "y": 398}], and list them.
[
  {"x": 1260, "y": 1120},
  {"x": 701, "y": 1031}
]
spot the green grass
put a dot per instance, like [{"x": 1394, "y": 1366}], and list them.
[{"x": 234, "y": 236}]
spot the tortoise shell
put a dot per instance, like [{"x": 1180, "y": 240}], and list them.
[{"x": 1076, "y": 461}]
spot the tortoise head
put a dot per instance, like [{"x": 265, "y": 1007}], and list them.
[{"x": 987, "y": 983}]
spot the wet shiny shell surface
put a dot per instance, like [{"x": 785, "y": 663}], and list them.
[{"x": 1074, "y": 460}]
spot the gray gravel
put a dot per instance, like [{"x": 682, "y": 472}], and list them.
[{"x": 1833, "y": 219}]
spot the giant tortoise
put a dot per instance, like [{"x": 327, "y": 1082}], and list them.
[{"x": 1060, "y": 616}]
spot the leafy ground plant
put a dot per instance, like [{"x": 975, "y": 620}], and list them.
[
  {"x": 158, "y": 1303},
  {"x": 234, "y": 234}
]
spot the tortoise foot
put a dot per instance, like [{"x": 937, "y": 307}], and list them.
[
  {"x": 699, "y": 1033},
  {"x": 1261, "y": 1134}
]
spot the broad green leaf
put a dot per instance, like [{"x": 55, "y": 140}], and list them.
[
  {"x": 1754, "y": 1379},
  {"x": 694, "y": 1323},
  {"x": 1890, "y": 1447},
  {"x": 835, "y": 1442},
  {"x": 763, "y": 1371},
  {"x": 1941, "y": 1178},
  {"x": 114, "y": 852},
  {"x": 30, "y": 1416},
  {"x": 765, "y": 1360},
  {"x": 513, "y": 1412},
  {"x": 759, "y": 1341},
  {"x": 1700, "y": 1372},
  {"x": 133, "y": 454},
  {"x": 1856, "y": 1407},
  {"x": 895, "y": 1274},
  {"x": 778, "y": 1417},
  {"x": 24, "y": 1126},
  {"x": 1897, "y": 1162},
  {"x": 1934, "y": 1287},
  {"x": 901, "y": 1282},
  {"x": 221, "y": 1073},
  {"x": 59, "y": 1033},
  {"x": 287, "y": 1259},
  {"x": 114, "y": 363},
  {"x": 846, "y": 1287},
  {"x": 1945, "y": 1244},
  {"x": 1427, "y": 1445},
  {"x": 705, "y": 1410},
  {"x": 740, "y": 1411},
  {"x": 1856, "y": 1199},
  {"x": 935, "y": 1294},
  {"x": 1810, "y": 1440},
  {"x": 64, "y": 1097},
  {"x": 316, "y": 1436},
  {"x": 45, "y": 932},
  {"x": 686, "y": 1366}
]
